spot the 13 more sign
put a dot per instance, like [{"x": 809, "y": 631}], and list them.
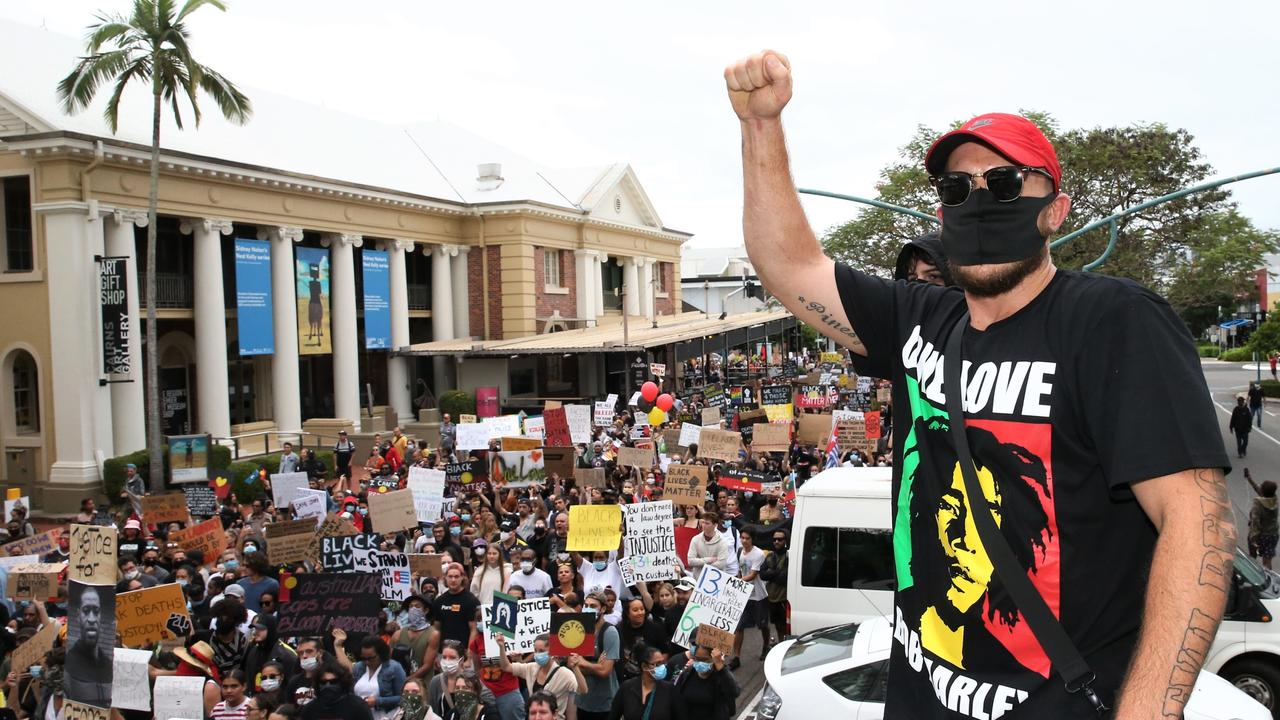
[{"x": 718, "y": 599}]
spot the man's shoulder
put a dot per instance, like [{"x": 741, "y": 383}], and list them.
[{"x": 1103, "y": 292}]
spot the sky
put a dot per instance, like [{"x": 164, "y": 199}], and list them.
[{"x": 573, "y": 84}]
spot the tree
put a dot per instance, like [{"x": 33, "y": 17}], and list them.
[
  {"x": 151, "y": 46},
  {"x": 1198, "y": 251}
]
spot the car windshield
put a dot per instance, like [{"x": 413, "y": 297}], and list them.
[
  {"x": 820, "y": 647},
  {"x": 1254, "y": 574}
]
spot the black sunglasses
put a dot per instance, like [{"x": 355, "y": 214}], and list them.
[{"x": 1004, "y": 182}]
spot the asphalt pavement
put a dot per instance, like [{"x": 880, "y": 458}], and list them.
[{"x": 1226, "y": 381}]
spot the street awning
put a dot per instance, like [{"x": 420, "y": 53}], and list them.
[{"x": 1235, "y": 323}]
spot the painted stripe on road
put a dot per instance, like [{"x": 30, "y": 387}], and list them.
[{"x": 1256, "y": 429}]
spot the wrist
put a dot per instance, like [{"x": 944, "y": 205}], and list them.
[{"x": 758, "y": 125}]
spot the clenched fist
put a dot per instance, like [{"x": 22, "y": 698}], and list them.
[{"x": 759, "y": 85}]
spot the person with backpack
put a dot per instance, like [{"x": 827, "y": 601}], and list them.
[
  {"x": 602, "y": 682},
  {"x": 1263, "y": 524},
  {"x": 545, "y": 674}
]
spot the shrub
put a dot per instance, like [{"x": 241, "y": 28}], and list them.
[
  {"x": 1241, "y": 354},
  {"x": 1208, "y": 351},
  {"x": 113, "y": 468},
  {"x": 1271, "y": 388},
  {"x": 457, "y": 402}
]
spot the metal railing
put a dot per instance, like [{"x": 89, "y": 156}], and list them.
[
  {"x": 173, "y": 290},
  {"x": 419, "y": 297}
]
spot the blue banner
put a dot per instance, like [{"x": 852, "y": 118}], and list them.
[
  {"x": 377, "y": 299},
  {"x": 253, "y": 297}
]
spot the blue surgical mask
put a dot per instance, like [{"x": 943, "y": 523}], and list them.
[
  {"x": 364, "y": 511},
  {"x": 701, "y": 667},
  {"x": 466, "y": 517},
  {"x": 35, "y": 671},
  {"x": 542, "y": 658},
  {"x": 600, "y": 565},
  {"x": 231, "y": 564},
  {"x": 455, "y": 530},
  {"x": 659, "y": 673},
  {"x": 250, "y": 549}
]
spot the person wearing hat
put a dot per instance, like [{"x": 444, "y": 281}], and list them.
[
  {"x": 1117, "y": 512},
  {"x": 196, "y": 660},
  {"x": 343, "y": 450},
  {"x": 266, "y": 646}
]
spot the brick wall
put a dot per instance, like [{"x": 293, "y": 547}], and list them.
[
  {"x": 495, "y": 294},
  {"x": 475, "y": 291},
  {"x": 549, "y": 302},
  {"x": 666, "y": 305}
]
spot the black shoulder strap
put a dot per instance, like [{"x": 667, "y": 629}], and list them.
[{"x": 1067, "y": 662}]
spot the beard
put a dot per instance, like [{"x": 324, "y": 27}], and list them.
[{"x": 993, "y": 280}]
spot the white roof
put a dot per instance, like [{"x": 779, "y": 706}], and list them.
[
  {"x": 715, "y": 262},
  {"x": 432, "y": 159},
  {"x": 869, "y": 482}
]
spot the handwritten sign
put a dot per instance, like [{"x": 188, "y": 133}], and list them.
[
  {"x": 555, "y": 422},
  {"x": 814, "y": 429},
  {"x": 636, "y": 457},
  {"x": 72, "y": 710},
  {"x": 710, "y": 416},
  {"x": 393, "y": 511},
  {"x": 520, "y": 443},
  {"x": 465, "y": 419},
  {"x": 780, "y": 413},
  {"x": 34, "y": 581},
  {"x": 710, "y": 636},
  {"x": 130, "y": 687},
  {"x": 518, "y": 469},
  {"x": 319, "y": 602},
  {"x": 719, "y": 444},
  {"x": 284, "y": 485},
  {"x": 769, "y": 437},
  {"x": 310, "y": 504},
  {"x": 579, "y": 417},
  {"x": 206, "y": 537},
  {"x": 650, "y": 541},
  {"x": 42, "y": 544},
  {"x": 394, "y": 569},
  {"x": 427, "y": 487},
  {"x": 594, "y": 527},
  {"x": 32, "y": 651},
  {"x": 502, "y": 426},
  {"x": 686, "y": 484},
  {"x": 152, "y": 614},
  {"x": 589, "y": 477},
  {"x": 347, "y": 553},
  {"x": 179, "y": 697},
  {"x": 718, "y": 599},
  {"x": 473, "y": 436},
  {"x": 288, "y": 540},
  {"x": 469, "y": 476},
  {"x": 427, "y": 565},
  {"x": 689, "y": 434},
  {"x": 165, "y": 508},
  {"x": 533, "y": 620},
  {"x": 533, "y": 428},
  {"x": 775, "y": 395},
  {"x": 202, "y": 500},
  {"x": 93, "y": 554},
  {"x": 602, "y": 414}
]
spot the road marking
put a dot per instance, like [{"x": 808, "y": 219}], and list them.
[{"x": 1256, "y": 429}]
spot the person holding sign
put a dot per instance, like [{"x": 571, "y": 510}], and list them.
[
  {"x": 602, "y": 682},
  {"x": 545, "y": 673},
  {"x": 648, "y": 697},
  {"x": 708, "y": 689}
]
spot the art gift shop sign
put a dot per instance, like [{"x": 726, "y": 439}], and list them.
[{"x": 114, "y": 298}]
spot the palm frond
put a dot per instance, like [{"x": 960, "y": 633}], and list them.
[
  {"x": 193, "y": 5},
  {"x": 235, "y": 105},
  {"x": 109, "y": 29},
  {"x": 140, "y": 70},
  {"x": 78, "y": 88}
]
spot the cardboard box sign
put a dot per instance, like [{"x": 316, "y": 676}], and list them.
[
  {"x": 710, "y": 416},
  {"x": 747, "y": 418},
  {"x": 393, "y": 511},
  {"x": 427, "y": 565},
  {"x": 34, "y": 581},
  {"x": 771, "y": 437},
  {"x": 165, "y": 508},
  {"x": 686, "y": 484},
  {"x": 636, "y": 457},
  {"x": 589, "y": 477},
  {"x": 289, "y": 540},
  {"x": 559, "y": 460},
  {"x": 713, "y": 637},
  {"x": 815, "y": 429},
  {"x": 719, "y": 444},
  {"x": 207, "y": 537}
]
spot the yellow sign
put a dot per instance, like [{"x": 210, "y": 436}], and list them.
[
  {"x": 780, "y": 413},
  {"x": 150, "y": 615},
  {"x": 594, "y": 527}
]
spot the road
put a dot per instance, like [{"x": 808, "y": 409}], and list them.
[{"x": 1226, "y": 381}]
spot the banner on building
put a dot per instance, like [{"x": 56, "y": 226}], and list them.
[
  {"x": 377, "y": 299},
  {"x": 312, "y": 281},
  {"x": 114, "y": 298},
  {"x": 254, "y": 322}
]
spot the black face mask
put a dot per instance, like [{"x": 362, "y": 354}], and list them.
[{"x": 985, "y": 231}]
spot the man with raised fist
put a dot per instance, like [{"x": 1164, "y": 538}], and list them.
[{"x": 1103, "y": 475}]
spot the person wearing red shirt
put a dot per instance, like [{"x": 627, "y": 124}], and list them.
[{"x": 503, "y": 685}]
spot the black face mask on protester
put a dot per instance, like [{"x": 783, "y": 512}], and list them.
[{"x": 984, "y": 231}]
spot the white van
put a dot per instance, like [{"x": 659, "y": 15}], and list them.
[{"x": 841, "y": 571}]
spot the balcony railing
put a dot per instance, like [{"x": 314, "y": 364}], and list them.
[
  {"x": 173, "y": 290},
  {"x": 419, "y": 297}
]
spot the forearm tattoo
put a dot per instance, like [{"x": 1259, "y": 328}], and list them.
[
  {"x": 1218, "y": 538},
  {"x": 825, "y": 318}
]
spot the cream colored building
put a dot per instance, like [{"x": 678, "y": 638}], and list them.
[{"x": 483, "y": 244}]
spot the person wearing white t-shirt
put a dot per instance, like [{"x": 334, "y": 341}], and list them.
[
  {"x": 535, "y": 582},
  {"x": 756, "y": 613},
  {"x": 598, "y": 572}
]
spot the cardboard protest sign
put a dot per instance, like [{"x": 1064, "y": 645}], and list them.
[
  {"x": 427, "y": 565},
  {"x": 207, "y": 537},
  {"x": 594, "y": 527},
  {"x": 816, "y": 396},
  {"x": 91, "y": 637},
  {"x": 392, "y": 511},
  {"x": 427, "y": 487},
  {"x": 769, "y": 437},
  {"x": 533, "y": 620},
  {"x": 686, "y": 484},
  {"x": 579, "y": 419},
  {"x": 93, "y": 554},
  {"x": 34, "y": 581},
  {"x": 559, "y": 461},
  {"x": 573, "y": 633},
  {"x": 589, "y": 477},
  {"x": 465, "y": 419},
  {"x": 504, "y": 615},
  {"x": 320, "y": 602},
  {"x": 735, "y": 479},
  {"x": 330, "y": 526},
  {"x": 152, "y": 614},
  {"x": 284, "y": 485},
  {"x": 469, "y": 476},
  {"x": 713, "y": 637},
  {"x": 534, "y": 428},
  {"x": 710, "y": 416},
  {"x": 884, "y": 395},
  {"x": 394, "y": 569},
  {"x": 555, "y": 422},
  {"x": 41, "y": 544},
  {"x": 636, "y": 457},
  {"x": 310, "y": 504},
  {"x": 16, "y": 560},
  {"x": 472, "y": 436},
  {"x": 165, "y": 508},
  {"x": 513, "y": 444},
  {"x": 671, "y": 437},
  {"x": 72, "y": 710},
  {"x": 851, "y": 433},
  {"x": 347, "y": 553},
  {"x": 289, "y": 540},
  {"x": 602, "y": 414},
  {"x": 780, "y": 413},
  {"x": 719, "y": 444},
  {"x": 179, "y": 697},
  {"x": 872, "y": 420},
  {"x": 775, "y": 395},
  {"x": 650, "y": 541},
  {"x": 718, "y": 599},
  {"x": 518, "y": 469},
  {"x": 814, "y": 429},
  {"x": 202, "y": 500},
  {"x": 130, "y": 684},
  {"x": 749, "y": 418},
  {"x": 32, "y": 651},
  {"x": 502, "y": 426}
]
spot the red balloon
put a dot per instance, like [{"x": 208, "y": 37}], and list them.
[
  {"x": 649, "y": 391},
  {"x": 665, "y": 402}
]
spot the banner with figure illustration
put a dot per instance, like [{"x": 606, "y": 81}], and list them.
[{"x": 312, "y": 281}]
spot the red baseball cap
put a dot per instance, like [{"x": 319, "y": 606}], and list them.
[{"x": 1013, "y": 136}]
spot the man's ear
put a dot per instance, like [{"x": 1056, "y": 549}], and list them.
[{"x": 1056, "y": 213}]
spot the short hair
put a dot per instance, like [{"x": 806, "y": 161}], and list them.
[
  {"x": 711, "y": 515},
  {"x": 378, "y": 645},
  {"x": 1268, "y": 489},
  {"x": 544, "y": 697}
]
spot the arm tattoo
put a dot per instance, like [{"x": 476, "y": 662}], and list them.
[
  {"x": 825, "y": 319},
  {"x": 1218, "y": 537}
]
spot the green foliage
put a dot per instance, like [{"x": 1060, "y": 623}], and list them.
[
  {"x": 457, "y": 402},
  {"x": 1266, "y": 339},
  {"x": 240, "y": 472},
  {"x": 1240, "y": 354},
  {"x": 1208, "y": 351},
  {"x": 1197, "y": 251},
  {"x": 809, "y": 337},
  {"x": 1271, "y": 388},
  {"x": 113, "y": 469}
]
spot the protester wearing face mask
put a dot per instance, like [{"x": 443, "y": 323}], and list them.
[
  {"x": 602, "y": 682},
  {"x": 271, "y": 683},
  {"x": 648, "y": 696},
  {"x": 334, "y": 699},
  {"x": 492, "y": 573},
  {"x": 378, "y": 678},
  {"x": 533, "y": 581},
  {"x": 453, "y": 664},
  {"x": 545, "y": 673},
  {"x": 266, "y": 647},
  {"x": 454, "y": 612},
  {"x": 413, "y": 638},
  {"x": 130, "y": 571},
  {"x": 301, "y": 688},
  {"x": 599, "y": 570},
  {"x": 707, "y": 687}
]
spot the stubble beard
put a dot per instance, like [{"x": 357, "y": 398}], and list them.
[{"x": 994, "y": 280}]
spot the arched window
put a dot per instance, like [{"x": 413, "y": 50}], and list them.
[{"x": 26, "y": 394}]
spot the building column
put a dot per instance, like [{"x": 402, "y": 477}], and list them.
[
  {"x": 646, "y": 287},
  {"x": 597, "y": 280},
  {"x": 461, "y": 299},
  {"x": 346, "y": 341},
  {"x": 212, "y": 387},
  {"x": 128, "y": 399},
  {"x": 441, "y": 311},
  {"x": 631, "y": 285},
  {"x": 285, "y": 384},
  {"x": 582, "y": 264},
  {"x": 81, "y": 407},
  {"x": 400, "y": 394}
]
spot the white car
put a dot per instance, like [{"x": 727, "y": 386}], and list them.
[
  {"x": 843, "y": 672},
  {"x": 1246, "y": 650}
]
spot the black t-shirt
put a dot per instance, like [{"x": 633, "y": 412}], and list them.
[
  {"x": 455, "y": 613},
  {"x": 1093, "y": 386}
]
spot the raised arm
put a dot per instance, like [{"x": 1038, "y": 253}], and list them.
[{"x": 783, "y": 249}]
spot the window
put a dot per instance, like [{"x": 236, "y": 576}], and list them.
[
  {"x": 26, "y": 396},
  {"x": 847, "y": 558},
  {"x": 660, "y": 277},
  {"x": 551, "y": 268},
  {"x": 15, "y": 202},
  {"x": 865, "y": 683}
]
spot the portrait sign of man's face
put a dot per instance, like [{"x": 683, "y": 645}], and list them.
[{"x": 90, "y": 615}]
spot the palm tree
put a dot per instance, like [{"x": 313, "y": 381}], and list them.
[{"x": 151, "y": 46}]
